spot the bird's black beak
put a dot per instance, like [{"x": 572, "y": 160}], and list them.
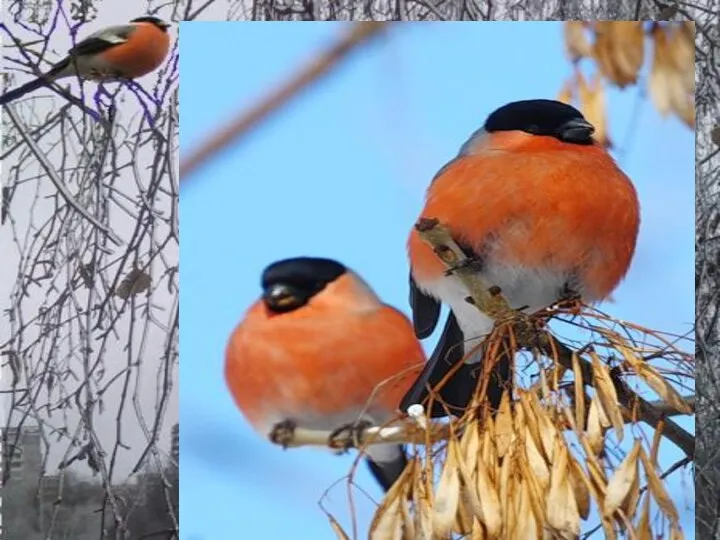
[
  {"x": 577, "y": 130},
  {"x": 280, "y": 297}
]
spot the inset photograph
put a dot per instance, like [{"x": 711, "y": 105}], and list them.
[
  {"x": 89, "y": 301},
  {"x": 437, "y": 280}
]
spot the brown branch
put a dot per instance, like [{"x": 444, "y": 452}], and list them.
[
  {"x": 243, "y": 125},
  {"x": 410, "y": 432}
]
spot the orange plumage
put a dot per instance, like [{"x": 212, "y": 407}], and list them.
[
  {"x": 541, "y": 209},
  {"x": 326, "y": 357},
  {"x": 143, "y": 52},
  {"x": 328, "y": 354},
  {"x": 543, "y": 202}
]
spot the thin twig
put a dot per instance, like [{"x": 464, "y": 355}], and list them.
[{"x": 360, "y": 34}]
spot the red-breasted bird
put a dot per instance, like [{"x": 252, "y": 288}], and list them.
[
  {"x": 121, "y": 52},
  {"x": 542, "y": 211},
  {"x": 319, "y": 350}
]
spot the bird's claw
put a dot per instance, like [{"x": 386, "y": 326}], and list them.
[
  {"x": 283, "y": 433},
  {"x": 348, "y": 436}
]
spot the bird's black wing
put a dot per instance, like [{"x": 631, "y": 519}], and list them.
[
  {"x": 458, "y": 390},
  {"x": 387, "y": 473},
  {"x": 425, "y": 310},
  {"x": 102, "y": 40}
]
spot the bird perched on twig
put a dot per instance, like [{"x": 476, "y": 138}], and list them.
[
  {"x": 121, "y": 52},
  {"x": 542, "y": 211},
  {"x": 319, "y": 350}
]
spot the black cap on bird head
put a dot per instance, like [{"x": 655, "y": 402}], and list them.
[
  {"x": 153, "y": 20},
  {"x": 542, "y": 117},
  {"x": 291, "y": 283}
]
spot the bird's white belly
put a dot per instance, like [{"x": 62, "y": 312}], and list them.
[{"x": 521, "y": 286}]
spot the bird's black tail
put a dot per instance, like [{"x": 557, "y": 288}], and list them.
[
  {"x": 20, "y": 91},
  {"x": 33, "y": 85},
  {"x": 387, "y": 472},
  {"x": 459, "y": 390}
]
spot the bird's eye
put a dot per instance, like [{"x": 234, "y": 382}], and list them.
[
  {"x": 533, "y": 128},
  {"x": 284, "y": 301}
]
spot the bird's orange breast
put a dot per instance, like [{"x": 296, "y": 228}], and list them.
[
  {"x": 544, "y": 204},
  {"x": 143, "y": 52},
  {"x": 319, "y": 362}
]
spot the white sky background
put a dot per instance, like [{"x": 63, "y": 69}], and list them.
[{"x": 132, "y": 168}]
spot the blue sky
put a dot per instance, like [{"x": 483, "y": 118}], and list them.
[{"x": 342, "y": 173}]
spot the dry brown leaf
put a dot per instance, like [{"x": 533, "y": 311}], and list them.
[
  {"x": 544, "y": 386},
  {"x": 643, "y": 530},
  {"x": 469, "y": 501},
  {"x": 602, "y": 50},
  {"x": 622, "y": 482},
  {"x": 422, "y": 498},
  {"x": 561, "y": 509},
  {"x": 657, "y": 488},
  {"x": 619, "y": 50},
  {"x": 580, "y": 487},
  {"x": 596, "y": 479},
  {"x": 681, "y": 48},
  {"x": 470, "y": 447},
  {"x": 488, "y": 455},
  {"x": 666, "y": 84},
  {"x": 408, "y": 523},
  {"x": 578, "y": 386},
  {"x": 503, "y": 489},
  {"x": 447, "y": 495},
  {"x": 513, "y": 528},
  {"x": 657, "y": 438},
  {"x": 490, "y": 514},
  {"x": 592, "y": 104},
  {"x": 546, "y": 427},
  {"x": 607, "y": 395},
  {"x": 537, "y": 462},
  {"x": 387, "y": 524},
  {"x": 577, "y": 44},
  {"x": 569, "y": 419},
  {"x": 134, "y": 283},
  {"x": 653, "y": 378},
  {"x": 392, "y": 519},
  {"x": 629, "y": 505},
  {"x": 597, "y": 423},
  {"x": 503, "y": 425},
  {"x": 527, "y": 519},
  {"x": 463, "y": 519},
  {"x": 337, "y": 528},
  {"x": 663, "y": 388},
  {"x": 629, "y": 50},
  {"x": 530, "y": 419},
  {"x": 536, "y": 493},
  {"x": 478, "y": 531}
]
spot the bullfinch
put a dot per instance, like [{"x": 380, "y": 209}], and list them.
[
  {"x": 115, "y": 53},
  {"x": 542, "y": 211},
  {"x": 319, "y": 350}
]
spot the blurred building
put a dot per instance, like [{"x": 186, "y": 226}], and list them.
[
  {"x": 21, "y": 454},
  {"x": 50, "y": 488}
]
